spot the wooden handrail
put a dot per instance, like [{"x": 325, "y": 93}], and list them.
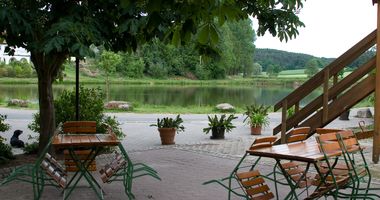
[
  {"x": 334, "y": 67},
  {"x": 333, "y": 92}
]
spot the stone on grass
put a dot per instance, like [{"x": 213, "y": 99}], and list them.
[
  {"x": 18, "y": 103},
  {"x": 364, "y": 113},
  {"x": 123, "y": 105},
  {"x": 225, "y": 107}
]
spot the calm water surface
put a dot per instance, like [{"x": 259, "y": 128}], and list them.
[{"x": 169, "y": 95}]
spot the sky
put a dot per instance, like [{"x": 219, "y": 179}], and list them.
[{"x": 331, "y": 28}]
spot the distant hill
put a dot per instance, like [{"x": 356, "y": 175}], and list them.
[{"x": 287, "y": 60}]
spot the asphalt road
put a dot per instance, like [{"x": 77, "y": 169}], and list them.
[{"x": 140, "y": 135}]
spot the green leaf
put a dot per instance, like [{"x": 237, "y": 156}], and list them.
[
  {"x": 176, "y": 40},
  {"x": 203, "y": 36},
  {"x": 214, "y": 36}
]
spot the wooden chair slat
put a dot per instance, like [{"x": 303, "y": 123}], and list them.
[
  {"x": 253, "y": 182},
  {"x": 264, "y": 196},
  {"x": 350, "y": 142},
  {"x": 331, "y": 147},
  {"x": 79, "y": 130},
  {"x": 328, "y": 137},
  {"x": 300, "y": 131},
  {"x": 79, "y": 123},
  {"x": 346, "y": 134},
  {"x": 295, "y": 171},
  {"x": 289, "y": 165},
  {"x": 269, "y": 139},
  {"x": 296, "y": 138},
  {"x": 249, "y": 174},
  {"x": 259, "y": 146},
  {"x": 257, "y": 190},
  {"x": 75, "y": 168},
  {"x": 322, "y": 131}
]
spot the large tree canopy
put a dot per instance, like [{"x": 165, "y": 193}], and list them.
[{"x": 53, "y": 30}]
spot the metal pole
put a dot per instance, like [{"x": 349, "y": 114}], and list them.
[{"x": 77, "y": 89}]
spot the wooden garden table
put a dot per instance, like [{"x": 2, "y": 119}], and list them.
[
  {"x": 95, "y": 142},
  {"x": 307, "y": 152}
]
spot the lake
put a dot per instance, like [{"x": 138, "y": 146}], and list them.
[{"x": 170, "y": 95}]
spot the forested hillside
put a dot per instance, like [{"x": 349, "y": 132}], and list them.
[
  {"x": 286, "y": 60},
  {"x": 289, "y": 60}
]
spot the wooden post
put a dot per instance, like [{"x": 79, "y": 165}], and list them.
[
  {"x": 335, "y": 81},
  {"x": 283, "y": 122},
  {"x": 376, "y": 135},
  {"x": 325, "y": 113}
]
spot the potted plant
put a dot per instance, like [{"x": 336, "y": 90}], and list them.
[
  {"x": 257, "y": 121},
  {"x": 168, "y": 127},
  {"x": 257, "y": 117},
  {"x": 219, "y": 126}
]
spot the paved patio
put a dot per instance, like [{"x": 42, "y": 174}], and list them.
[{"x": 183, "y": 167}]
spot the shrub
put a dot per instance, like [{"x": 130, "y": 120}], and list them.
[
  {"x": 131, "y": 66},
  {"x": 31, "y": 148},
  {"x": 90, "y": 108},
  {"x": 3, "y": 126},
  {"x": 5, "y": 153},
  {"x": 5, "y": 149}
]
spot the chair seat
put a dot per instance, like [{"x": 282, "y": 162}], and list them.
[
  {"x": 112, "y": 168},
  {"x": 54, "y": 169},
  {"x": 254, "y": 185}
]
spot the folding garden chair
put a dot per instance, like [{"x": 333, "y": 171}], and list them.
[
  {"x": 358, "y": 167},
  {"x": 332, "y": 171},
  {"x": 249, "y": 181},
  {"x": 121, "y": 168},
  {"x": 78, "y": 127},
  {"x": 46, "y": 171},
  {"x": 296, "y": 170}
]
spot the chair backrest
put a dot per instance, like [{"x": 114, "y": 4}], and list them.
[
  {"x": 348, "y": 140},
  {"x": 77, "y": 127},
  {"x": 328, "y": 143},
  {"x": 263, "y": 142},
  {"x": 322, "y": 131},
  {"x": 298, "y": 134}
]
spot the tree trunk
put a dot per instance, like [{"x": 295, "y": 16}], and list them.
[
  {"x": 47, "y": 67},
  {"x": 47, "y": 117}
]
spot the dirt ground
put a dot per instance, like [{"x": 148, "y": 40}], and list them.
[{"x": 20, "y": 159}]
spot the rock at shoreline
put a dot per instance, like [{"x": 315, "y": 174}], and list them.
[
  {"x": 364, "y": 113},
  {"x": 123, "y": 105},
  {"x": 225, "y": 107},
  {"x": 18, "y": 103}
]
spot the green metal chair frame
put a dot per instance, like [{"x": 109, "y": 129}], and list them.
[
  {"x": 236, "y": 173},
  {"x": 34, "y": 174},
  {"x": 358, "y": 168},
  {"x": 129, "y": 171}
]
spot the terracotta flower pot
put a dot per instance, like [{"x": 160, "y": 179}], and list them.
[
  {"x": 167, "y": 135},
  {"x": 255, "y": 130},
  {"x": 217, "y": 133}
]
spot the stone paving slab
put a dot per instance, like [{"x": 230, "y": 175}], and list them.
[{"x": 182, "y": 173}]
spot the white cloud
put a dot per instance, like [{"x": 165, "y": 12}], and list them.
[{"x": 331, "y": 27}]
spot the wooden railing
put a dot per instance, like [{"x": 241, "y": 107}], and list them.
[{"x": 322, "y": 79}]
